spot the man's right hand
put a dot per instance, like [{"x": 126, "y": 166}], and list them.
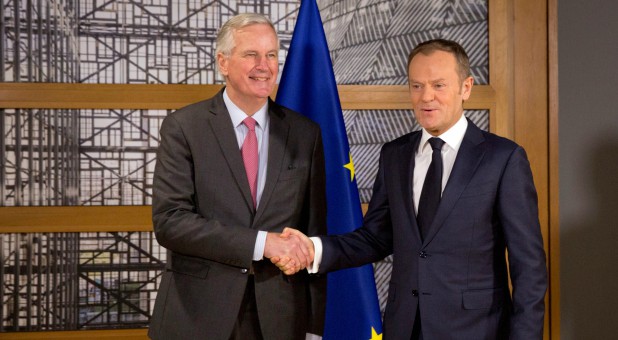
[
  {"x": 287, "y": 264},
  {"x": 289, "y": 250}
]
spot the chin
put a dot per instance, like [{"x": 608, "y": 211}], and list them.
[
  {"x": 263, "y": 95},
  {"x": 264, "y": 92},
  {"x": 432, "y": 130}
]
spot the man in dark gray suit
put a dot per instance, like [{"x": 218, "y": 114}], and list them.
[
  {"x": 233, "y": 171},
  {"x": 450, "y": 272}
]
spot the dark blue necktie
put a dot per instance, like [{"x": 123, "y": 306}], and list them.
[{"x": 432, "y": 188}]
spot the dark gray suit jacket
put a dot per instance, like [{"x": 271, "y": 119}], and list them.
[
  {"x": 203, "y": 213},
  {"x": 457, "y": 276}
]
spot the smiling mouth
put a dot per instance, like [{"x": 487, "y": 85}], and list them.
[{"x": 260, "y": 78}]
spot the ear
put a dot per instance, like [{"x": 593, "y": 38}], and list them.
[
  {"x": 466, "y": 88},
  {"x": 222, "y": 62}
]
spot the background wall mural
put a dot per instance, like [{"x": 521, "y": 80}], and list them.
[{"x": 52, "y": 157}]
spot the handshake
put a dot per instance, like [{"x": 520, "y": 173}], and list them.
[{"x": 291, "y": 251}]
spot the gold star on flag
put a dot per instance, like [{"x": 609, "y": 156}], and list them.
[
  {"x": 350, "y": 166},
  {"x": 375, "y": 335}
]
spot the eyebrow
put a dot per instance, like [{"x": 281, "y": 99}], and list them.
[
  {"x": 431, "y": 81},
  {"x": 253, "y": 50}
]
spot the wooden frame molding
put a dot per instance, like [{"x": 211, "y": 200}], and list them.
[
  {"x": 554, "y": 178},
  {"x": 115, "y": 334},
  {"x": 161, "y": 97},
  {"x": 75, "y": 219}
]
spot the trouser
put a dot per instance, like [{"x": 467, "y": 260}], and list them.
[{"x": 247, "y": 325}]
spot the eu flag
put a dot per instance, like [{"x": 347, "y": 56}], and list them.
[{"x": 308, "y": 86}]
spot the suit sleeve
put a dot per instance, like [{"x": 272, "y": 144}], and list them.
[
  {"x": 517, "y": 210},
  {"x": 370, "y": 243},
  {"x": 316, "y": 211},
  {"x": 178, "y": 225}
]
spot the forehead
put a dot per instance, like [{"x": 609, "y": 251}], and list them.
[
  {"x": 255, "y": 35},
  {"x": 437, "y": 64}
]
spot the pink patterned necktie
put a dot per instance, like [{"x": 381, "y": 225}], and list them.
[{"x": 249, "y": 152}]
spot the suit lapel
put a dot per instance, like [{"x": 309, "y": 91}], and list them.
[
  {"x": 277, "y": 141},
  {"x": 468, "y": 159},
  {"x": 221, "y": 125},
  {"x": 406, "y": 164}
]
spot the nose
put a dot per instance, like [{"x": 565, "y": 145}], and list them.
[
  {"x": 428, "y": 94},
  {"x": 261, "y": 63}
]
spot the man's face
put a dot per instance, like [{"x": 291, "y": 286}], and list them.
[
  {"x": 436, "y": 91},
  {"x": 252, "y": 67}
]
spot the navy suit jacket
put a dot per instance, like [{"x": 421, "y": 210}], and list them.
[
  {"x": 458, "y": 275},
  {"x": 203, "y": 213}
]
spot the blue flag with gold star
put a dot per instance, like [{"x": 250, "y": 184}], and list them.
[{"x": 308, "y": 86}]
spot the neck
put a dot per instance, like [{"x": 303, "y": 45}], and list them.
[{"x": 248, "y": 105}]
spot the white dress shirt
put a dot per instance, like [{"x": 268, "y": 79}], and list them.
[
  {"x": 422, "y": 158},
  {"x": 261, "y": 132}
]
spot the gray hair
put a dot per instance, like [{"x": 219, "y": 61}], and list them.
[{"x": 225, "y": 38}]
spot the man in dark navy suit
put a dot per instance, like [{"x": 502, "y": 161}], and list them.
[{"x": 450, "y": 277}]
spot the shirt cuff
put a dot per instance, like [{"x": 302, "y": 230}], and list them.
[
  {"x": 317, "y": 257},
  {"x": 260, "y": 244},
  {"x": 310, "y": 336}
]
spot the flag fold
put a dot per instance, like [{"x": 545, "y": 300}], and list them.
[{"x": 308, "y": 86}]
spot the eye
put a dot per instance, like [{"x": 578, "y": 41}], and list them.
[
  {"x": 272, "y": 55},
  {"x": 416, "y": 86},
  {"x": 439, "y": 86}
]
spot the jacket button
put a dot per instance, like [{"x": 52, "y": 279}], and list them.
[
  {"x": 414, "y": 292},
  {"x": 244, "y": 270},
  {"x": 422, "y": 254}
]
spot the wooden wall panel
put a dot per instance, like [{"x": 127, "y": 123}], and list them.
[{"x": 530, "y": 89}]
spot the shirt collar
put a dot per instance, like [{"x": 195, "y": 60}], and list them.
[
  {"x": 452, "y": 137},
  {"x": 237, "y": 115}
]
